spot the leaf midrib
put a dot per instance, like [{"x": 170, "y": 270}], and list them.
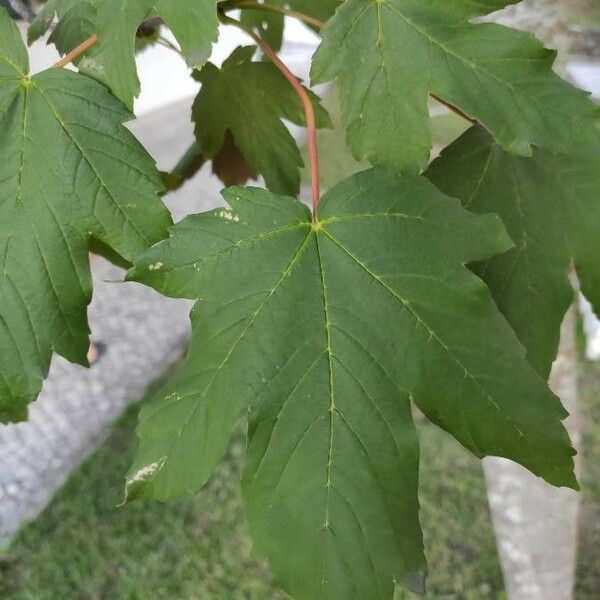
[
  {"x": 57, "y": 296},
  {"x": 332, "y": 407},
  {"x": 242, "y": 242},
  {"x": 10, "y": 63}
]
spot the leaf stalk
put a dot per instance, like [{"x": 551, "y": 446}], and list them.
[
  {"x": 77, "y": 52},
  {"x": 311, "y": 124}
]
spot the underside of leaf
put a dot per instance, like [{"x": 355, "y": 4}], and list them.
[{"x": 248, "y": 101}]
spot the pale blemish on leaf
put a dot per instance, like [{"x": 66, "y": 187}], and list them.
[
  {"x": 146, "y": 472},
  {"x": 229, "y": 216},
  {"x": 91, "y": 65}
]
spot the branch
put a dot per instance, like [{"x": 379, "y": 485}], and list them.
[
  {"x": 306, "y": 104},
  {"x": 77, "y": 52},
  {"x": 308, "y": 19}
]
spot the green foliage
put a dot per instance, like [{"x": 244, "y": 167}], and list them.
[
  {"x": 388, "y": 55},
  {"x": 318, "y": 329},
  {"x": 332, "y": 468},
  {"x": 270, "y": 24},
  {"x": 321, "y": 9},
  {"x": 550, "y": 206},
  {"x": 249, "y": 100},
  {"x": 115, "y": 22},
  {"x": 69, "y": 172}
]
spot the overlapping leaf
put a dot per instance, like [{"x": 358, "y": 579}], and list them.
[
  {"x": 388, "y": 55},
  {"x": 270, "y": 25},
  {"x": 111, "y": 60},
  {"x": 249, "y": 100},
  {"x": 324, "y": 331},
  {"x": 320, "y": 9},
  {"x": 551, "y": 208},
  {"x": 69, "y": 171}
]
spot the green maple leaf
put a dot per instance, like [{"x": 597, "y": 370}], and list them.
[
  {"x": 323, "y": 333},
  {"x": 388, "y": 55},
  {"x": 551, "y": 208},
  {"x": 112, "y": 60},
  {"x": 321, "y": 9},
  {"x": 69, "y": 172},
  {"x": 250, "y": 99},
  {"x": 270, "y": 25}
]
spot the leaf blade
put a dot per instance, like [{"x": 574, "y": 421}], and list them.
[
  {"x": 63, "y": 140},
  {"x": 250, "y": 100},
  {"x": 112, "y": 59},
  {"x": 291, "y": 321},
  {"x": 549, "y": 205},
  {"x": 500, "y": 77}
]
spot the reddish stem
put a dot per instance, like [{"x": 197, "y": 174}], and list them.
[
  {"x": 77, "y": 52},
  {"x": 311, "y": 124}
]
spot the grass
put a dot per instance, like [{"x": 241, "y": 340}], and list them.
[{"x": 84, "y": 547}]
